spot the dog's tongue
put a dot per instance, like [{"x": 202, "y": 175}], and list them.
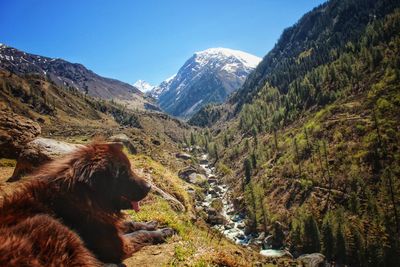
[{"x": 135, "y": 206}]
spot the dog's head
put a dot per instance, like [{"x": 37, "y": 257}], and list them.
[{"x": 103, "y": 169}]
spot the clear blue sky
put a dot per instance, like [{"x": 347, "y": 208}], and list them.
[{"x": 147, "y": 39}]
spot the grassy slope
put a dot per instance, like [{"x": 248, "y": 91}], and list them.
[{"x": 195, "y": 244}]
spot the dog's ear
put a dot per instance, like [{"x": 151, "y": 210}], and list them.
[{"x": 88, "y": 171}]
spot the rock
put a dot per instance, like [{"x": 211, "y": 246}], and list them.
[
  {"x": 212, "y": 180},
  {"x": 267, "y": 243},
  {"x": 183, "y": 156},
  {"x": 155, "y": 142},
  {"x": 15, "y": 132},
  {"x": 212, "y": 192},
  {"x": 38, "y": 152},
  {"x": 203, "y": 161},
  {"x": 215, "y": 219},
  {"x": 273, "y": 253},
  {"x": 211, "y": 211},
  {"x": 196, "y": 178},
  {"x": 193, "y": 175},
  {"x": 261, "y": 236},
  {"x": 241, "y": 225},
  {"x": 313, "y": 260},
  {"x": 229, "y": 226},
  {"x": 240, "y": 236},
  {"x": 125, "y": 140}
]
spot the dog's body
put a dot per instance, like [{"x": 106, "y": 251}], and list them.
[{"x": 69, "y": 212}]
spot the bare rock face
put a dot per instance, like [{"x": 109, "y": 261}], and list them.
[
  {"x": 15, "y": 132},
  {"x": 38, "y": 152}
]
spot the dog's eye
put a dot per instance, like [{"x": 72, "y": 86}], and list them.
[{"x": 123, "y": 172}]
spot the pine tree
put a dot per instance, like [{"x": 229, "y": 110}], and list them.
[
  {"x": 340, "y": 246},
  {"x": 327, "y": 240},
  {"x": 276, "y": 140},
  {"x": 192, "y": 139},
  {"x": 311, "y": 235},
  {"x": 247, "y": 170},
  {"x": 296, "y": 150}
]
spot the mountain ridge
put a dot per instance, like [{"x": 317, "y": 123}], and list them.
[
  {"x": 76, "y": 75},
  {"x": 209, "y": 76}
]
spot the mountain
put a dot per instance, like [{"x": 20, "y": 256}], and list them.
[
  {"x": 163, "y": 87},
  {"x": 209, "y": 76},
  {"x": 66, "y": 74},
  {"x": 311, "y": 138},
  {"x": 143, "y": 86}
]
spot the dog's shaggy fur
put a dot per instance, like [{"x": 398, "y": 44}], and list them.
[{"x": 69, "y": 212}]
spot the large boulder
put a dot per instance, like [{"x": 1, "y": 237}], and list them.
[
  {"x": 193, "y": 175},
  {"x": 216, "y": 219},
  {"x": 313, "y": 260},
  {"x": 38, "y": 152},
  {"x": 15, "y": 132},
  {"x": 125, "y": 140}
]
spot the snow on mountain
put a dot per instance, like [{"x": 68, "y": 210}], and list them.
[
  {"x": 158, "y": 90},
  {"x": 209, "y": 76},
  {"x": 143, "y": 86}
]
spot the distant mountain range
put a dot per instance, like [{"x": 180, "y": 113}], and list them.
[
  {"x": 67, "y": 74},
  {"x": 143, "y": 86},
  {"x": 209, "y": 76}
]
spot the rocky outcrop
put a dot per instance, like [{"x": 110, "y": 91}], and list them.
[
  {"x": 313, "y": 260},
  {"x": 38, "y": 152},
  {"x": 15, "y": 132}
]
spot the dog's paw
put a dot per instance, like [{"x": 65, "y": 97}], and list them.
[
  {"x": 167, "y": 232},
  {"x": 151, "y": 225}
]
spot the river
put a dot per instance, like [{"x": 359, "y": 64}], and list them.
[{"x": 234, "y": 223}]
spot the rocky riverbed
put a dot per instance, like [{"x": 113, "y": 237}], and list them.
[{"x": 225, "y": 218}]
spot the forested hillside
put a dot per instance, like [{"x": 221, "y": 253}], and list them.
[{"x": 312, "y": 138}]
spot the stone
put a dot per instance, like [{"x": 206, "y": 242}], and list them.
[
  {"x": 215, "y": 219},
  {"x": 241, "y": 225},
  {"x": 203, "y": 161},
  {"x": 197, "y": 178},
  {"x": 192, "y": 175},
  {"x": 183, "y": 156},
  {"x": 15, "y": 132},
  {"x": 212, "y": 180},
  {"x": 155, "y": 142},
  {"x": 313, "y": 260},
  {"x": 38, "y": 152}
]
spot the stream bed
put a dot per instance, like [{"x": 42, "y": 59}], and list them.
[{"x": 234, "y": 223}]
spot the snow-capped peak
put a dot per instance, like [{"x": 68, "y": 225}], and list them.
[
  {"x": 247, "y": 59},
  {"x": 143, "y": 86}
]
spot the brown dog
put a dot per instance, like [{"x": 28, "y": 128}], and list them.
[{"x": 69, "y": 212}]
